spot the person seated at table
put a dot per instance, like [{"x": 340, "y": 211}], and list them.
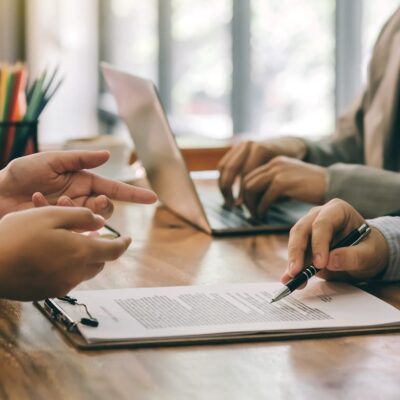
[
  {"x": 359, "y": 164},
  {"x": 42, "y": 253},
  {"x": 377, "y": 257}
]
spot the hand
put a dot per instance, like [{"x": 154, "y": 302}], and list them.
[
  {"x": 331, "y": 222},
  {"x": 41, "y": 255},
  {"x": 280, "y": 178},
  {"x": 247, "y": 156},
  {"x": 61, "y": 179}
]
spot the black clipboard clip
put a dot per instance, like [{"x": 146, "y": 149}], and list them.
[{"x": 57, "y": 313}]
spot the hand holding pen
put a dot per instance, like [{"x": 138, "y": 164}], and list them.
[{"x": 317, "y": 230}]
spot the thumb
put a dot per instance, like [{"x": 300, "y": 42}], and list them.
[
  {"x": 76, "y": 218},
  {"x": 350, "y": 259},
  {"x": 345, "y": 259},
  {"x": 364, "y": 261},
  {"x": 72, "y": 161}
]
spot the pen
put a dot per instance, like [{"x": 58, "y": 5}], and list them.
[
  {"x": 114, "y": 232},
  {"x": 353, "y": 238}
]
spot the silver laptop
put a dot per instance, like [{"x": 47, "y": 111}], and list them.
[{"x": 140, "y": 107}]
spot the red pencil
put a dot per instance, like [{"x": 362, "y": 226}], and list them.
[{"x": 15, "y": 113}]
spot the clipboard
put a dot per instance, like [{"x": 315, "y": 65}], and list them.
[{"x": 69, "y": 328}]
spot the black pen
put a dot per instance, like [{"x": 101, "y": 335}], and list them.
[{"x": 353, "y": 238}]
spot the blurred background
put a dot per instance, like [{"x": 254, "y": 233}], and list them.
[{"x": 223, "y": 67}]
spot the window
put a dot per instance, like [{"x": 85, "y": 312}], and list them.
[
  {"x": 268, "y": 67},
  {"x": 129, "y": 35},
  {"x": 64, "y": 33},
  {"x": 201, "y": 67},
  {"x": 293, "y": 67},
  {"x": 260, "y": 66},
  {"x": 184, "y": 48}
]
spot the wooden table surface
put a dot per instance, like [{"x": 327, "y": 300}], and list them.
[{"x": 37, "y": 363}]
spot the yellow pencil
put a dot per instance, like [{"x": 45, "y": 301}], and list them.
[{"x": 4, "y": 73}]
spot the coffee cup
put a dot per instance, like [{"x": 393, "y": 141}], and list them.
[{"x": 120, "y": 150}]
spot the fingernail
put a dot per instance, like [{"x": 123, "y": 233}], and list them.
[
  {"x": 290, "y": 269},
  {"x": 317, "y": 259},
  {"x": 99, "y": 218},
  {"x": 104, "y": 204},
  {"x": 286, "y": 272}
]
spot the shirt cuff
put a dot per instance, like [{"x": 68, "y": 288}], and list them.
[{"x": 390, "y": 229}]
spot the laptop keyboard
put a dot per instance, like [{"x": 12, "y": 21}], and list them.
[{"x": 221, "y": 217}]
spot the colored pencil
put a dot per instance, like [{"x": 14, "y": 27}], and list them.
[{"x": 23, "y": 104}]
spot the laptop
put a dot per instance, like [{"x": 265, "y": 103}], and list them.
[{"x": 140, "y": 107}]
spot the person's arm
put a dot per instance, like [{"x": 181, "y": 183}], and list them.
[{"x": 373, "y": 192}]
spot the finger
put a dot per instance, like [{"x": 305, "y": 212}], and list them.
[
  {"x": 102, "y": 250},
  {"x": 75, "y": 218},
  {"x": 65, "y": 201},
  {"x": 72, "y": 161},
  {"x": 256, "y": 158},
  {"x": 323, "y": 229},
  {"x": 230, "y": 167},
  {"x": 121, "y": 191},
  {"x": 227, "y": 156},
  {"x": 256, "y": 171},
  {"x": 286, "y": 278},
  {"x": 227, "y": 175},
  {"x": 273, "y": 192},
  {"x": 103, "y": 206},
  {"x": 252, "y": 162},
  {"x": 334, "y": 275},
  {"x": 334, "y": 219},
  {"x": 361, "y": 262},
  {"x": 298, "y": 242},
  {"x": 100, "y": 205},
  {"x": 92, "y": 270},
  {"x": 349, "y": 259},
  {"x": 254, "y": 188},
  {"x": 343, "y": 217},
  {"x": 39, "y": 200}
]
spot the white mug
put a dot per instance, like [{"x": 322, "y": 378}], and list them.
[{"x": 119, "y": 149}]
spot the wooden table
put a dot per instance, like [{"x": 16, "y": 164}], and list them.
[{"x": 37, "y": 363}]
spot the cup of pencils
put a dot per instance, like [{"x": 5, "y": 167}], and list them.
[{"x": 21, "y": 105}]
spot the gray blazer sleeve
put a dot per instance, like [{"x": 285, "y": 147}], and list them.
[
  {"x": 373, "y": 192},
  {"x": 390, "y": 229}
]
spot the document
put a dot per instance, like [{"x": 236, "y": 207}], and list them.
[{"x": 227, "y": 310}]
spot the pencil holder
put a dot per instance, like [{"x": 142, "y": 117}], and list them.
[{"x": 17, "y": 139}]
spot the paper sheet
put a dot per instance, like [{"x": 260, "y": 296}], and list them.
[{"x": 192, "y": 311}]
